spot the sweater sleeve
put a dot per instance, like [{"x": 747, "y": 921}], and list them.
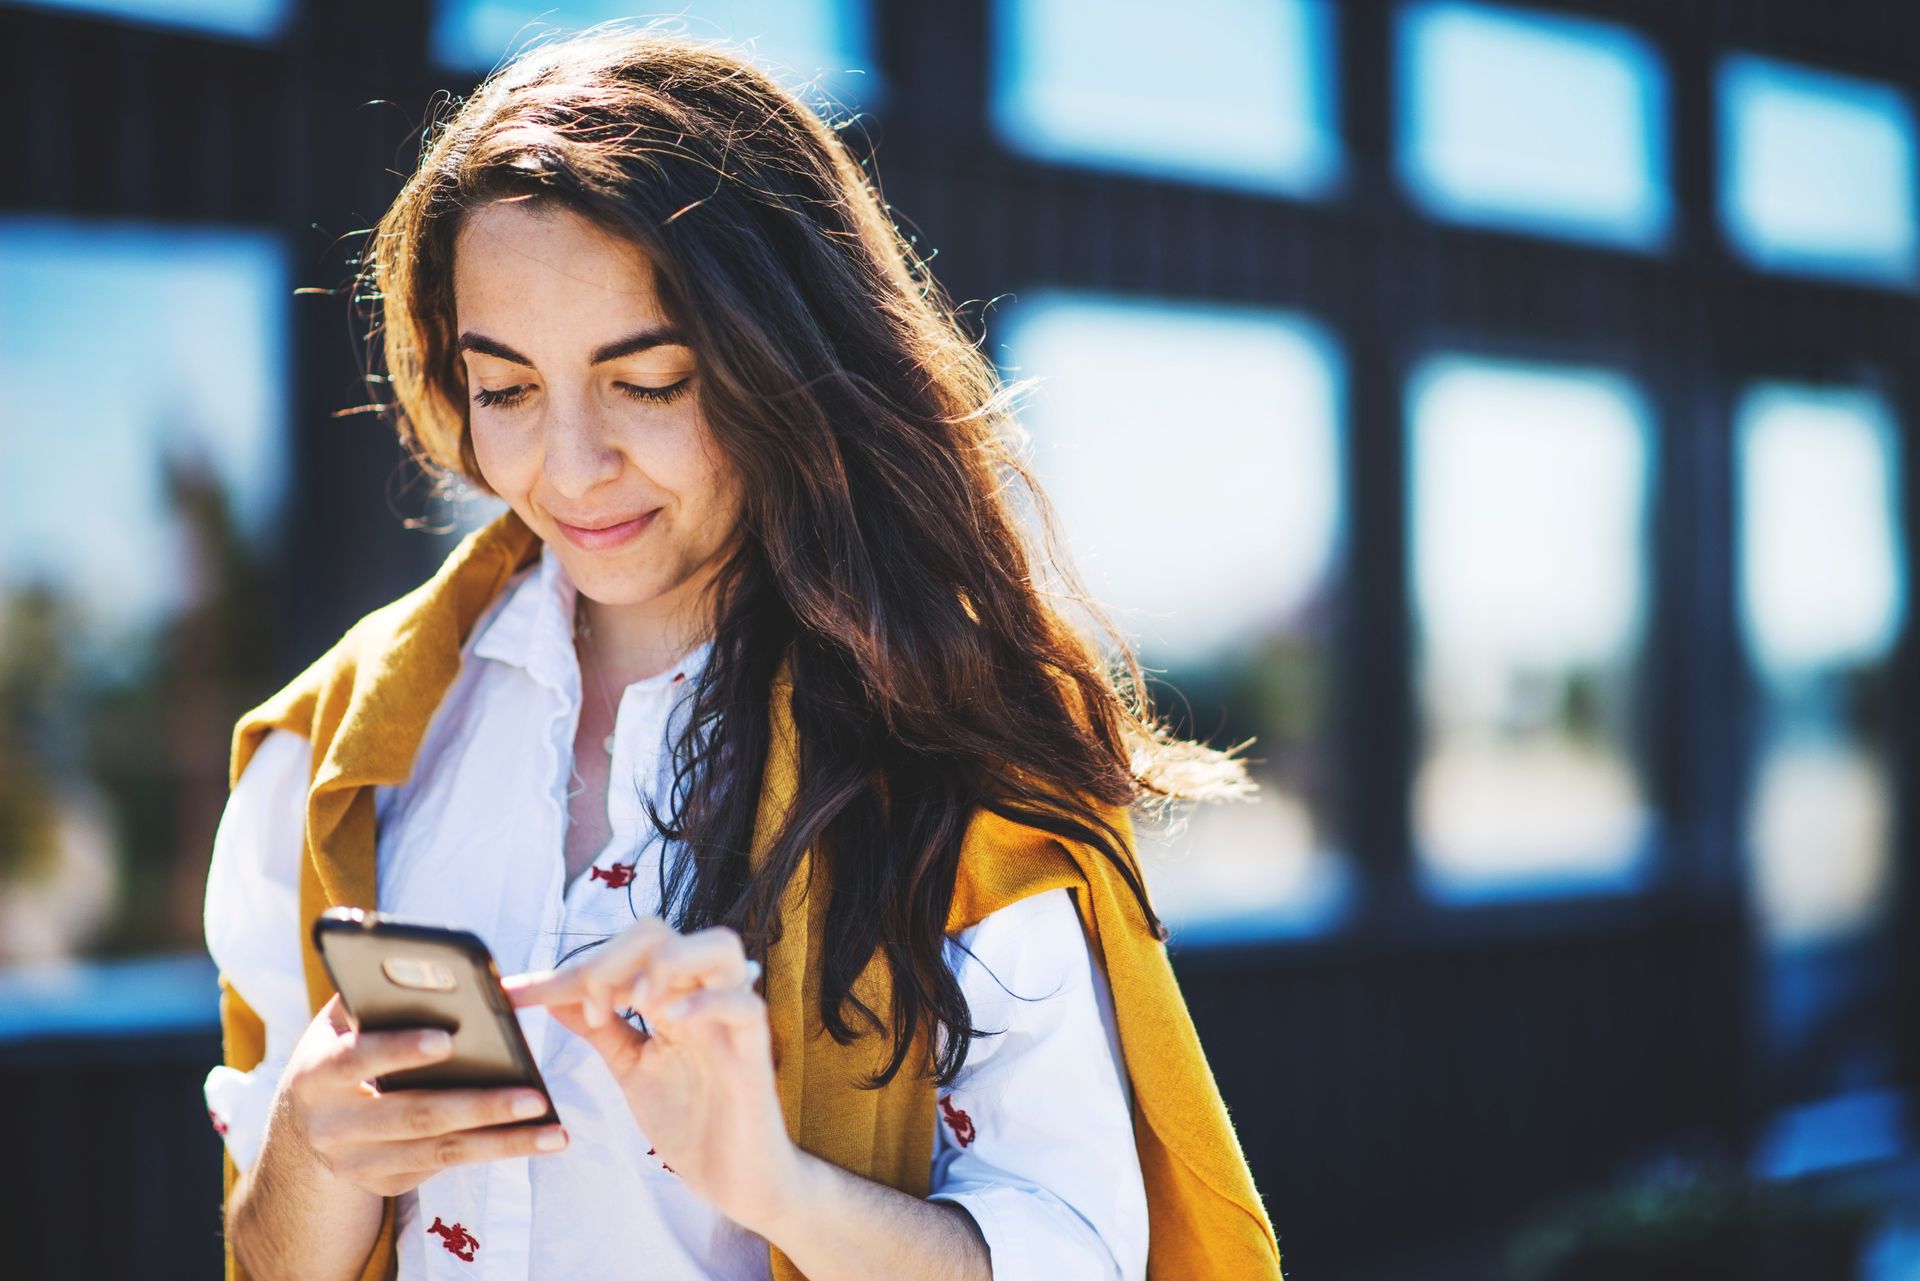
[
  {"x": 252, "y": 921},
  {"x": 1035, "y": 1137}
]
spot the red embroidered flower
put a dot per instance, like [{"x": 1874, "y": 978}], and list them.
[
  {"x": 959, "y": 1122},
  {"x": 458, "y": 1240},
  {"x": 616, "y": 877},
  {"x": 219, "y": 1126},
  {"x": 679, "y": 676},
  {"x": 663, "y": 1164}
]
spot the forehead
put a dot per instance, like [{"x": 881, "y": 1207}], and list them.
[{"x": 528, "y": 258}]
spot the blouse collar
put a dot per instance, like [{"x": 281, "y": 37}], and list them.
[{"x": 533, "y": 629}]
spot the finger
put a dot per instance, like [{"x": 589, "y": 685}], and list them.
[
  {"x": 713, "y": 957},
  {"x": 737, "y": 1010},
  {"x": 543, "y": 987},
  {"x": 421, "y": 1114},
  {"x": 463, "y": 1148},
  {"x": 365, "y": 1055},
  {"x": 594, "y": 982},
  {"x": 607, "y": 976},
  {"x": 335, "y": 1011}
]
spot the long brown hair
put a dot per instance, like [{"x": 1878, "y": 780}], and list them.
[{"x": 896, "y": 546}]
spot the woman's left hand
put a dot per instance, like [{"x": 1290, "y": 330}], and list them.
[{"x": 700, "y": 1081}]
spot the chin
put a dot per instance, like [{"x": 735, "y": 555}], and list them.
[
  {"x": 605, "y": 583},
  {"x": 611, "y": 589}
]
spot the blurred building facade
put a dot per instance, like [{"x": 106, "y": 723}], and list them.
[{"x": 1518, "y": 404}]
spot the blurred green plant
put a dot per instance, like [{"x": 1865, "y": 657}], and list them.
[
  {"x": 1694, "y": 1220},
  {"x": 35, "y": 684}
]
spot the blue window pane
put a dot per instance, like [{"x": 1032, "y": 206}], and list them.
[
  {"x": 143, "y": 461},
  {"x": 1193, "y": 456},
  {"x": 1527, "y": 539},
  {"x": 246, "y": 19},
  {"x": 124, "y": 348},
  {"x": 820, "y": 43},
  {"x": 1237, "y": 92},
  {"x": 1823, "y": 585},
  {"x": 1533, "y": 122},
  {"x": 1816, "y": 171}
]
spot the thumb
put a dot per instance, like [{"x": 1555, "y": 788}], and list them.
[{"x": 335, "y": 1013}]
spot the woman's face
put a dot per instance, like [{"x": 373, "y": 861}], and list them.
[{"x": 585, "y": 408}]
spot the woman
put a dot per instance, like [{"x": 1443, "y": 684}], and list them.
[{"x": 758, "y": 650}]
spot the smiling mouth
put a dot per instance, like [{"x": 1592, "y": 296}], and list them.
[
  {"x": 600, "y": 537},
  {"x": 605, "y": 525}
]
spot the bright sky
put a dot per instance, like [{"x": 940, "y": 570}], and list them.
[
  {"x": 1529, "y": 489},
  {"x": 1124, "y": 83},
  {"x": 1540, "y": 122},
  {"x": 806, "y": 37},
  {"x": 1817, "y": 170},
  {"x": 1193, "y": 454},
  {"x": 1822, "y": 574},
  {"x": 118, "y": 342}
]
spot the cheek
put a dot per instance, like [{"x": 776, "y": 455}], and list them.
[
  {"x": 506, "y": 463},
  {"x": 683, "y": 459},
  {"x": 720, "y": 492}
]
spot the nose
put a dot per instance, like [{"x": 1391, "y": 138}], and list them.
[{"x": 581, "y": 451}]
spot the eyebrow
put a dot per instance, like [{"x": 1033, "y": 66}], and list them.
[{"x": 635, "y": 342}]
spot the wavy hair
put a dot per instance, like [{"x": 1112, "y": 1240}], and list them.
[{"x": 944, "y": 657}]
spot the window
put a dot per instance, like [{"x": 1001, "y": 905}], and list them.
[
  {"x": 824, "y": 43},
  {"x": 1235, "y": 92},
  {"x": 1193, "y": 457},
  {"x": 125, "y": 348},
  {"x": 245, "y": 19},
  {"x": 1527, "y": 545},
  {"x": 142, "y": 464},
  {"x": 1533, "y": 122},
  {"x": 1822, "y": 589},
  {"x": 1816, "y": 171}
]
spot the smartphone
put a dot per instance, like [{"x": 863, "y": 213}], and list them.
[{"x": 395, "y": 974}]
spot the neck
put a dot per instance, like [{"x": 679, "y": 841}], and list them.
[{"x": 632, "y": 642}]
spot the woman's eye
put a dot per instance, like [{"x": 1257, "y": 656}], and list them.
[
  {"x": 505, "y": 396},
  {"x": 656, "y": 395}
]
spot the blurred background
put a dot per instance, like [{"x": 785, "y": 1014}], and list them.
[{"x": 1514, "y": 405}]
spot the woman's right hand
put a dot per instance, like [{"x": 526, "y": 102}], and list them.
[{"x": 391, "y": 1143}]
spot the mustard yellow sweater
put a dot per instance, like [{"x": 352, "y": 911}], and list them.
[{"x": 365, "y": 706}]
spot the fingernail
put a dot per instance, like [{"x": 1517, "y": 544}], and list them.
[
  {"x": 528, "y": 1105},
  {"x": 678, "y": 1009},
  {"x": 551, "y": 1140},
  {"x": 596, "y": 1013},
  {"x": 641, "y": 989},
  {"x": 435, "y": 1042}
]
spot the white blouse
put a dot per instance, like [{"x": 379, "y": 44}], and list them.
[{"x": 1035, "y": 1139}]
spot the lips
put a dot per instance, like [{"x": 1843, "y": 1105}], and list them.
[{"x": 604, "y": 536}]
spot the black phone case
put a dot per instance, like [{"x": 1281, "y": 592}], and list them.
[{"x": 489, "y": 1048}]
